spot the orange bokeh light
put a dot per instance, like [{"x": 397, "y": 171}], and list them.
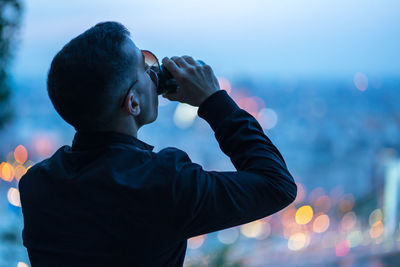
[
  {"x": 321, "y": 223},
  {"x": 376, "y": 229},
  {"x": 348, "y": 221},
  {"x": 19, "y": 172},
  {"x": 20, "y": 154},
  {"x": 7, "y": 171}
]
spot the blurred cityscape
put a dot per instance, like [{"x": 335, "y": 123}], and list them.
[{"x": 339, "y": 137}]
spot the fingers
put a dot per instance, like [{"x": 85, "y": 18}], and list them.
[
  {"x": 201, "y": 62},
  {"x": 181, "y": 62},
  {"x": 171, "y": 66},
  {"x": 190, "y": 60},
  {"x": 185, "y": 61}
]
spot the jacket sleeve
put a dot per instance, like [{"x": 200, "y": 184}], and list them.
[{"x": 207, "y": 201}]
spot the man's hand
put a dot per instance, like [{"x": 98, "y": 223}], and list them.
[{"x": 196, "y": 80}]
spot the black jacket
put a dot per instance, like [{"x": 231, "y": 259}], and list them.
[{"x": 109, "y": 200}]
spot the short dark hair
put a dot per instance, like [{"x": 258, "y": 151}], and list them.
[{"x": 86, "y": 76}]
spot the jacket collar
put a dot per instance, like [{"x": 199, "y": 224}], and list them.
[{"x": 87, "y": 140}]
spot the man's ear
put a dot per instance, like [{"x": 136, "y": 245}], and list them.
[{"x": 132, "y": 103}]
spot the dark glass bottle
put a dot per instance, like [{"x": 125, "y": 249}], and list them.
[{"x": 166, "y": 82}]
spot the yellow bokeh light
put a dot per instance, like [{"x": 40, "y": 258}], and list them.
[
  {"x": 196, "y": 242},
  {"x": 321, "y": 223},
  {"x": 20, "y": 154},
  {"x": 7, "y": 171},
  {"x": 13, "y": 197},
  {"x": 304, "y": 214},
  {"x": 376, "y": 229}
]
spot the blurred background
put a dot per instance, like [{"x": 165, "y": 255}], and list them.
[{"x": 321, "y": 77}]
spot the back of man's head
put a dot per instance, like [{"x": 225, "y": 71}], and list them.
[{"x": 87, "y": 77}]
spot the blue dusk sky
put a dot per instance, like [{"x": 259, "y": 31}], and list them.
[{"x": 254, "y": 37}]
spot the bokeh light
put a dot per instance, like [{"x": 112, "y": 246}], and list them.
[
  {"x": 297, "y": 241},
  {"x": 304, "y": 214},
  {"x": 315, "y": 194},
  {"x": 355, "y": 238},
  {"x": 20, "y": 154},
  {"x": 360, "y": 81},
  {"x": 43, "y": 145},
  {"x": 266, "y": 230},
  {"x": 7, "y": 171},
  {"x": 322, "y": 204},
  {"x": 267, "y": 118},
  {"x": 252, "y": 229},
  {"x": 228, "y": 236},
  {"x": 196, "y": 241},
  {"x": 342, "y": 248},
  {"x": 376, "y": 229},
  {"x": 346, "y": 203},
  {"x": 337, "y": 131},
  {"x": 13, "y": 197},
  {"x": 348, "y": 221},
  {"x": 375, "y": 216},
  {"x": 224, "y": 84},
  {"x": 321, "y": 223},
  {"x": 184, "y": 115},
  {"x": 19, "y": 172}
]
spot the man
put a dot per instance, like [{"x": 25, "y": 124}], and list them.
[{"x": 109, "y": 200}]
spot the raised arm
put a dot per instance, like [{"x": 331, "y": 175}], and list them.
[{"x": 207, "y": 201}]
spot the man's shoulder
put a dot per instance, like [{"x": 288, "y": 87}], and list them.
[{"x": 171, "y": 156}]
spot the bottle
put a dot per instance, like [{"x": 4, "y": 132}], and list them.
[{"x": 166, "y": 82}]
